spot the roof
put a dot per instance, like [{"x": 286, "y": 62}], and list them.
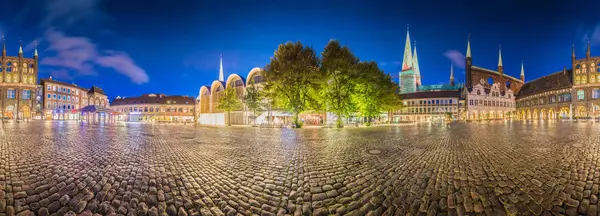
[
  {"x": 431, "y": 94},
  {"x": 495, "y": 72},
  {"x": 95, "y": 89},
  {"x": 555, "y": 81},
  {"x": 62, "y": 83},
  {"x": 154, "y": 99},
  {"x": 96, "y": 109}
]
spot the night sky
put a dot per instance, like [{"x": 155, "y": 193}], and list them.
[{"x": 133, "y": 47}]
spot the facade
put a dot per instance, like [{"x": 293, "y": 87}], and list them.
[
  {"x": 18, "y": 78},
  {"x": 429, "y": 106},
  {"x": 567, "y": 94},
  {"x": 489, "y": 94},
  {"x": 155, "y": 108},
  {"x": 208, "y": 102},
  {"x": 61, "y": 100}
]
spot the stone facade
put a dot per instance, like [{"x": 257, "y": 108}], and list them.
[
  {"x": 573, "y": 93},
  {"x": 431, "y": 106},
  {"x": 18, "y": 78}
]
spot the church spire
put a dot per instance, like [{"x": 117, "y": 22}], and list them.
[
  {"x": 20, "y": 47},
  {"x": 500, "y": 56},
  {"x": 522, "y": 72},
  {"x": 416, "y": 66},
  {"x": 407, "y": 62},
  {"x": 221, "y": 78},
  {"x": 452, "y": 74},
  {"x": 469, "y": 47}
]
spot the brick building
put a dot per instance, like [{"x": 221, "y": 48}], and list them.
[
  {"x": 155, "y": 108},
  {"x": 18, "y": 78},
  {"x": 61, "y": 100}
]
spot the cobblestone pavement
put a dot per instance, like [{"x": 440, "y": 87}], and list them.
[{"x": 62, "y": 168}]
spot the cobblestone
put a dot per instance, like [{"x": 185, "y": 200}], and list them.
[{"x": 68, "y": 168}]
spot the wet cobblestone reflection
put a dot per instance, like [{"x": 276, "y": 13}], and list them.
[{"x": 61, "y": 168}]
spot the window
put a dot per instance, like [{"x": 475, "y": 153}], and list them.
[
  {"x": 69, "y": 91},
  {"x": 566, "y": 97},
  {"x": 49, "y": 87},
  {"x": 49, "y": 96},
  {"x": 595, "y": 93},
  {"x": 49, "y": 105},
  {"x": 68, "y": 98},
  {"x": 64, "y": 97},
  {"x": 68, "y": 106},
  {"x": 552, "y": 98},
  {"x": 580, "y": 94},
  {"x": 10, "y": 94},
  {"x": 478, "y": 92},
  {"x": 26, "y": 94}
]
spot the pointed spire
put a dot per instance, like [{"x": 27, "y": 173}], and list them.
[
  {"x": 499, "y": 55},
  {"x": 588, "y": 53},
  {"x": 522, "y": 72},
  {"x": 35, "y": 50},
  {"x": 416, "y": 65},
  {"x": 407, "y": 62},
  {"x": 3, "y": 46},
  {"x": 221, "y": 69},
  {"x": 452, "y": 71},
  {"x": 20, "y": 47},
  {"x": 573, "y": 53},
  {"x": 469, "y": 46}
]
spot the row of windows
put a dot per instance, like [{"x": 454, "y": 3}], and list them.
[
  {"x": 584, "y": 80},
  {"x": 490, "y": 103},
  {"x": 583, "y": 69},
  {"x": 429, "y": 102},
  {"x": 15, "y": 78},
  {"x": 12, "y": 67},
  {"x": 11, "y": 94},
  {"x": 63, "y": 97},
  {"x": 62, "y": 106},
  {"x": 429, "y": 110},
  {"x": 565, "y": 97},
  {"x": 493, "y": 93},
  {"x": 62, "y": 89},
  {"x": 152, "y": 109}
]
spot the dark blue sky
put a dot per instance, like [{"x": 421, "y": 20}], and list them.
[{"x": 133, "y": 47}]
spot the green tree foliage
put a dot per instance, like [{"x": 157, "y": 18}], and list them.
[
  {"x": 374, "y": 91},
  {"x": 254, "y": 99},
  {"x": 229, "y": 101},
  {"x": 292, "y": 78},
  {"x": 339, "y": 67}
]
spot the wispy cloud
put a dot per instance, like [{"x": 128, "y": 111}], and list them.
[
  {"x": 382, "y": 63},
  {"x": 593, "y": 35},
  {"x": 456, "y": 57},
  {"x": 69, "y": 12},
  {"x": 78, "y": 56}
]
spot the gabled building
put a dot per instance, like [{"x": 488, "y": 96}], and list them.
[{"x": 18, "y": 84}]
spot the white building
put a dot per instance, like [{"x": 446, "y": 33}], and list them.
[{"x": 489, "y": 103}]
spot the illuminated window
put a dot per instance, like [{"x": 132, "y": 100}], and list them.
[
  {"x": 580, "y": 95},
  {"x": 595, "y": 93},
  {"x": 26, "y": 94},
  {"x": 10, "y": 94}
]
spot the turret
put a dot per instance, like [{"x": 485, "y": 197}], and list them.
[
  {"x": 588, "y": 53},
  {"x": 407, "y": 60},
  {"x": 573, "y": 56},
  {"x": 416, "y": 68},
  {"x": 3, "y": 47},
  {"x": 20, "y": 49}
]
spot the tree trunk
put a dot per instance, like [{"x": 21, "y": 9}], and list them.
[
  {"x": 338, "y": 122},
  {"x": 296, "y": 120},
  {"x": 228, "y": 118}
]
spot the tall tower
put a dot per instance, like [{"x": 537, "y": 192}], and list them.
[
  {"x": 588, "y": 53},
  {"x": 451, "y": 74},
  {"x": 500, "y": 67},
  {"x": 468, "y": 64},
  {"x": 408, "y": 77},
  {"x": 221, "y": 77},
  {"x": 416, "y": 66}
]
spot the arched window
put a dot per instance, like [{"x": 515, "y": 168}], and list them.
[{"x": 478, "y": 92}]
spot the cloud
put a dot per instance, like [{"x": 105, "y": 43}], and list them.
[
  {"x": 456, "y": 57},
  {"x": 122, "y": 63},
  {"x": 594, "y": 35},
  {"x": 69, "y": 12},
  {"x": 383, "y": 63},
  {"x": 75, "y": 56},
  {"x": 397, "y": 62}
]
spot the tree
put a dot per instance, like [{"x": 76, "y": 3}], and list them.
[
  {"x": 375, "y": 91},
  {"x": 292, "y": 76},
  {"x": 228, "y": 102},
  {"x": 254, "y": 99},
  {"x": 338, "y": 65}
]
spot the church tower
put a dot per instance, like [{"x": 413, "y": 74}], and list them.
[
  {"x": 408, "y": 77},
  {"x": 468, "y": 64},
  {"x": 221, "y": 75}
]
